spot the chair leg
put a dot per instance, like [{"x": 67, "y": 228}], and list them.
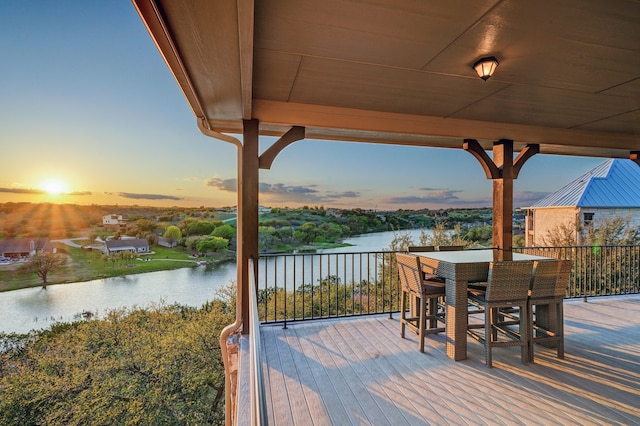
[
  {"x": 422, "y": 321},
  {"x": 495, "y": 318},
  {"x": 403, "y": 313},
  {"x": 560, "y": 328},
  {"x": 530, "y": 341},
  {"x": 433, "y": 312},
  {"x": 524, "y": 334},
  {"x": 488, "y": 333},
  {"x": 553, "y": 321}
]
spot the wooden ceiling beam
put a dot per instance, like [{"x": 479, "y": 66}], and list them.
[
  {"x": 245, "y": 40},
  {"x": 335, "y": 123}
]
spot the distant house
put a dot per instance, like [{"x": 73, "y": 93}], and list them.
[
  {"x": 331, "y": 212},
  {"x": 135, "y": 245},
  {"x": 115, "y": 220},
  {"x": 24, "y": 247},
  {"x": 609, "y": 190}
]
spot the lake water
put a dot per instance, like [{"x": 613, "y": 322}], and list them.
[{"x": 35, "y": 308}]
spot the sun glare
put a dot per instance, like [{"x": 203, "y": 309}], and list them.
[{"x": 54, "y": 186}]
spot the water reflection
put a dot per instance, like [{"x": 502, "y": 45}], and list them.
[
  {"x": 33, "y": 308},
  {"x": 26, "y": 309}
]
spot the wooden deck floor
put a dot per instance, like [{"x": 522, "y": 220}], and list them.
[{"x": 358, "y": 371}]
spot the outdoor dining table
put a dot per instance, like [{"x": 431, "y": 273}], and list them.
[{"x": 459, "y": 268}]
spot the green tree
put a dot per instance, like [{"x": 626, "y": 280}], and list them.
[
  {"x": 191, "y": 243},
  {"x": 331, "y": 231},
  {"x": 560, "y": 235},
  {"x": 172, "y": 235},
  {"x": 224, "y": 231},
  {"x": 212, "y": 245},
  {"x": 480, "y": 234},
  {"x": 267, "y": 238},
  {"x": 610, "y": 231},
  {"x": 200, "y": 227},
  {"x": 307, "y": 232},
  {"x": 44, "y": 263},
  {"x": 145, "y": 225},
  {"x": 152, "y": 366},
  {"x": 440, "y": 236}
]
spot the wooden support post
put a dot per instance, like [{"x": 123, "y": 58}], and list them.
[
  {"x": 247, "y": 213},
  {"x": 503, "y": 169},
  {"x": 503, "y": 200}
]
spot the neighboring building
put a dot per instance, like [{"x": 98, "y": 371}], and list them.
[
  {"x": 113, "y": 220},
  {"x": 332, "y": 212},
  {"x": 24, "y": 247},
  {"x": 135, "y": 245},
  {"x": 611, "y": 189}
]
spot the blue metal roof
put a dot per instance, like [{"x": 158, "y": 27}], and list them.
[{"x": 612, "y": 184}]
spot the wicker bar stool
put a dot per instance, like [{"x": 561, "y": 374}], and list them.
[
  {"x": 507, "y": 287},
  {"x": 426, "y": 293},
  {"x": 545, "y": 304},
  {"x": 429, "y": 274}
]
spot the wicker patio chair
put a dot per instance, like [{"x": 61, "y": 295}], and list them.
[
  {"x": 548, "y": 287},
  {"x": 426, "y": 293},
  {"x": 429, "y": 274},
  {"x": 507, "y": 287}
]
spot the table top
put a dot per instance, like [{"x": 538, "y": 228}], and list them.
[{"x": 472, "y": 256}]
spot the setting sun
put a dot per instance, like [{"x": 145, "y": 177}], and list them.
[{"x": 54, "y": 186}]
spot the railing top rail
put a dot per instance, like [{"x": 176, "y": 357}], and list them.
[
  {"x": 577, "y": 246},
  {"x": 310, "y": 253},
  {"x": 258, "y": 399},
  {"x": 327, "y": 254}
]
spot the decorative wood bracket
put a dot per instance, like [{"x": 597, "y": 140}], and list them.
[
  {"x": 635, "y": 156},
  {"x": 529, "y": 151},
  {"x": 294, "y": 134},
  {"x": 490, "y": 169}
]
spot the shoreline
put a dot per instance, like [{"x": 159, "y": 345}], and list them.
[{"x": 82, "y": 266}]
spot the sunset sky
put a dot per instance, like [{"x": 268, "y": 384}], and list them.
[{"x": 90, "y": 114}]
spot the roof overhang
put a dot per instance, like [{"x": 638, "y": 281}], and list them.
[{"x": 401, "y": 72}]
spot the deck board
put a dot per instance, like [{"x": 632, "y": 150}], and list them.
[{"x": 359, "y": 371}]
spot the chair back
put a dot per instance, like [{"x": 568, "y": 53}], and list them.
[
  {"x": 421, "y": 248},
  {"x": 409, "y": 270},
  {"x": 509, "y": 281},
  {"x": 450, "y": 248},
  {"x": 550, "y": 279},
  {"x": 543, "y": 281},
  {"x": 563, "y": 278}
]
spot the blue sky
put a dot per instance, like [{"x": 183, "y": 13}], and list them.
[{"x": 90, "y": 114}]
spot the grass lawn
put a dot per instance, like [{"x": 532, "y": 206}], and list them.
[{"x": 85, "y": 265}]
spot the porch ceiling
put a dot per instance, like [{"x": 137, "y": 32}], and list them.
[{"x": 399, "y": 72}]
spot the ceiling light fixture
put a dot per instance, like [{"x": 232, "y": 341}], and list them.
[{"x": 485, "y": 67}]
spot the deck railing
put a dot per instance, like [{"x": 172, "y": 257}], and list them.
[
  {"x": 597, "y": 270},
  {"x": 298, "y": 287},
  {"x": 294, "y": 287}
]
